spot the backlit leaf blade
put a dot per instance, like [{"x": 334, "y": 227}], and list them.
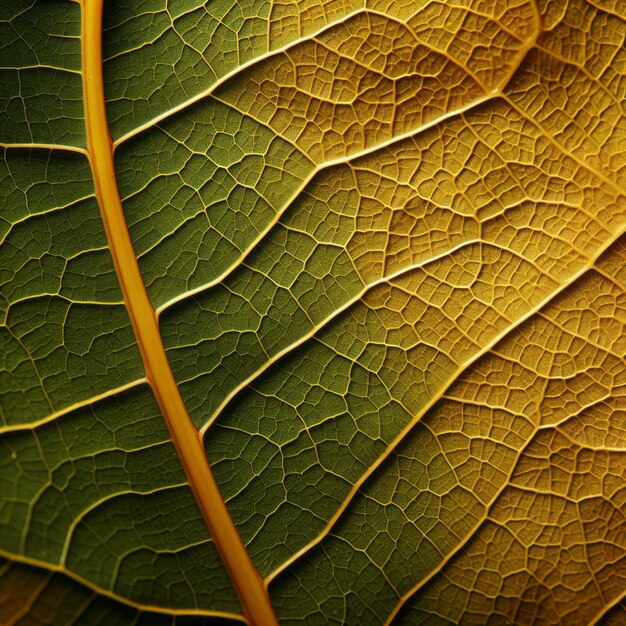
[{"x": 384, "y": 247}]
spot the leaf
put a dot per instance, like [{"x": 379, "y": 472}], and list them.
[{"x": 313, "y": 312}]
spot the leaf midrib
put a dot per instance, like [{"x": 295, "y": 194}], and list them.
[{"x": 187, "y": 441}]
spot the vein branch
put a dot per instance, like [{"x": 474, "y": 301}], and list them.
[
  {"x": 112, "y": 595},
  {"x": 405, "y": 432}
]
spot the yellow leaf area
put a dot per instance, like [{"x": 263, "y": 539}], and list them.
[{"x": 312, "y": 312}]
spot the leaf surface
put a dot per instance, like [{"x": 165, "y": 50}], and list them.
[{"x": 312, "y": 312}]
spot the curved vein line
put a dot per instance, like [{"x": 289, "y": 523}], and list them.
[
  {"x": 583, "y": 70},
  {"x": 606, "y": 11},
  {"x": 485, "y": 518},
  {"x": 112, "y": 595},
  {"x": 69, "y": 462},
  {"x": 45, "y": 213},
  {"x": 417, "y": 418},
  {"x": 57, "y": 296},
  {"x": 43, "y": 146},
  {"x": 469, "y": 10},
  {"x": 157, "y": 119},
  {"x": 162, "y": 443},
  {"x": 319, "y": 168},
  {"x": 245, "y": 578},
  {"x": 597, "y": 618},
  {"x": 69, "y": 536},
  {"x": 310, "y": 37},
  {"x": 42, "y": 66},
  {"x": 327, "y": 320},
  {"x": 356, "y": 298},
  {"x": 606, "y": 350},
  {"x": 526, "y": 48},
  {"x": 138, "y": 549},
  {"x": 551, "y": 492},
  {"x": 70, "y": 409},
  {"x": 611, "y": 279},
  {"x": 418, "y": 41},
  {"x": 566, "y": 151}
]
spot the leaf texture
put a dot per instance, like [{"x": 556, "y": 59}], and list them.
[{"x": 358, "y": 265}]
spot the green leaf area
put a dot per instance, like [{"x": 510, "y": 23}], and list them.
[{"x": 357, "y": 266}]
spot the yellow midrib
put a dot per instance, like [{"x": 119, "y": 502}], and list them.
[{"x": 187, "y": 440}]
